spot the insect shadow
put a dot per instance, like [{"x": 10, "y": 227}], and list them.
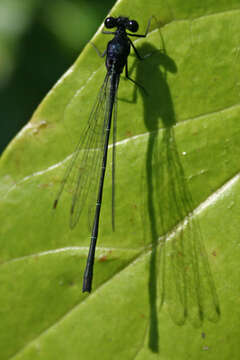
[{"x": 180, "y": 277}]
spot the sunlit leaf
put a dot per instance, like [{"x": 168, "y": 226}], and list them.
[{"x": 166, "y": 282}]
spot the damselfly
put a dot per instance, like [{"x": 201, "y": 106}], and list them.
[{"x": 91, "y": 152}]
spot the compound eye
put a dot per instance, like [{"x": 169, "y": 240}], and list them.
[
  {"x": 132, "y": 25},
  {"x": 110, "y": 22}
]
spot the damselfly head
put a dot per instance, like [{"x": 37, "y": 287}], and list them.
[{"x": 121, "y": 22}]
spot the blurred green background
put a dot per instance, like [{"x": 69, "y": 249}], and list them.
[{"x": 39, "y": 41}]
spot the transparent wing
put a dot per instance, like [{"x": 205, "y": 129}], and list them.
[
  {"x": 114, "y": 160},
  {"x": 91, "y": 210},
  {"x": 81, "y": 176}
]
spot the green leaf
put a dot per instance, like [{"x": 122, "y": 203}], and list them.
[{"x": 166, "y": 282}]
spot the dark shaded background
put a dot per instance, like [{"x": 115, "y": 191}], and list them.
[{"x": 39, "y": 41}]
